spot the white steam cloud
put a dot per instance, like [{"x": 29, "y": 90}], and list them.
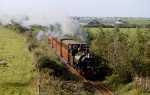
[{"x": 32, "y": 13}]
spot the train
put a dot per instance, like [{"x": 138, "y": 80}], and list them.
[{"x": 74, "y": 53}]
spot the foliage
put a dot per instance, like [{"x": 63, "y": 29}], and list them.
[
  {"x": 122, "y": 48},
  {"x": 140, "y": 58}
]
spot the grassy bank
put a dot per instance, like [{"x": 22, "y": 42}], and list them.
[{"x": 16, "y": 69}]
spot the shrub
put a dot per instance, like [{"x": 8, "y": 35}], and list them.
[{"x": 113, "y": 47}]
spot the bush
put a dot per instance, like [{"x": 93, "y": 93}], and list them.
[{"x": 113, "y": 47}]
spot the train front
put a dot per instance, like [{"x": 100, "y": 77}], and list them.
[{"x": 83, "y": 60}]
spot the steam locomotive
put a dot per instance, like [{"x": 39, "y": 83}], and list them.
[{"x": 74, "y": 53}]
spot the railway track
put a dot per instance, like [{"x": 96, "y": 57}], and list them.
[{"x": 99, "y": 88}]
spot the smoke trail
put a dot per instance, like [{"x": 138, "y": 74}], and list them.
[
  {"x": 32, "y": 14},
  {"x": 68, "y": 27},
  {"x": 72, "y": 27}
]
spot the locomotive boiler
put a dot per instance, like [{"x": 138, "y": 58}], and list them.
[{"x": 74, "y": 53}]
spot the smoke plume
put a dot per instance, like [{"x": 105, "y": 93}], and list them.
[{"x": 46, "y": 16}]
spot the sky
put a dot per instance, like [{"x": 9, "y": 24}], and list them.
[{"x": 102, "y": 8}]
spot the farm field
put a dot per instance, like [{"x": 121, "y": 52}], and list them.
[
  {"x": 138, "y": 21},
  {"x": 16, "y": 69}
]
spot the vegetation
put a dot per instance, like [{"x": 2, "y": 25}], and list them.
[
  {"x": 138, "y": 21},
  {"x": 55, "y": 78},
  {"x": 125, "y": 49},
  {"x": 16, "y": 65}
]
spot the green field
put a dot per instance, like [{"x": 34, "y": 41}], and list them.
[
  {"x": 139, "y": 21},
  {"x": 16, "y": 69}
]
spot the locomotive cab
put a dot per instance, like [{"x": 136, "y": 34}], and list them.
[
  {"x": 85, "y": 63},
  {"x": 78, "y": 48}
]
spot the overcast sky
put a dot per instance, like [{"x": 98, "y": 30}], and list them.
[{"x": 103, "y": 8}]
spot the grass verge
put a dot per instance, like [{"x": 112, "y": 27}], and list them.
[{"x": 16, "y": 69}]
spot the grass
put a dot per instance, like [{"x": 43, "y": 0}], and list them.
[
  {"x": 17, "y": 76},
  {"x": 139, "y": 21},
  {"x": 129, "y": 89}
]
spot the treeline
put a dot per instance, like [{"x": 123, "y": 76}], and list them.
[{"x": 121, "y": 26}]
